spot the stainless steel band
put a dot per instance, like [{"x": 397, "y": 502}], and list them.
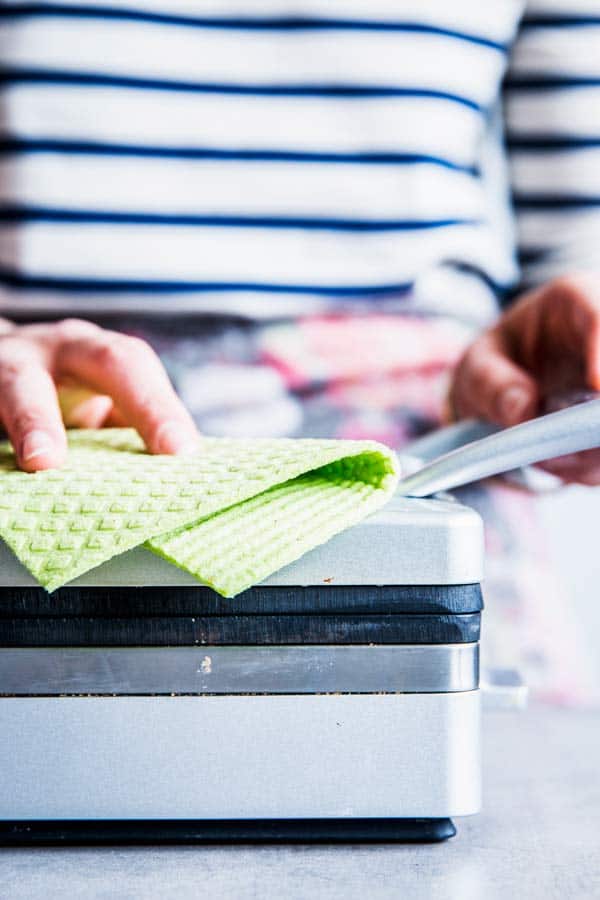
[
  {"x": 240, "y": 757},
  {"x": 306, "y": 669}
]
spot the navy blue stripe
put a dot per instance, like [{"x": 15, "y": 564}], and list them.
[
  {"x": 242, "y": 23},
  {"x": 498, "y": 287},
  {"x": 91, "y": 148},
  {"x": 10, "y": 76},
  {"x": 529, "y": 255},
  {"x": 549, "y": 82},
  {"x": 548, "y": 21},
  {"x": 124, "y": 286},
  {"x": 70, "y": 284},
  {"x": 87, "y": 217},
  {"x": 555, "y": 201},
  {"x": 551, "y": 142}
]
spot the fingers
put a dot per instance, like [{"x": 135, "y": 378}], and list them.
[
  {"x": 29, "y": 407},
  {"x": 592, "y": 352},
  {"x": 557, "y": 328},
  {"x": 490, "y": 385},
  {"x": 580, "y": 468},
  {"x": 128, "y": 371},
  {"x": 82, "y": 408},
  {"x": 115, "y": 419},
  {"x": 569, "y": 315},
  {"x": 124, "y": 380}
]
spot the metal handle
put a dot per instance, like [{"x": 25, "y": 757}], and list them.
[
  {"x": 567, "y": 431},
  {"x": 450, "y": 437}
]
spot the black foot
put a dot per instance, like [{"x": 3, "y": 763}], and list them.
[{"x": 224, "y": 831}]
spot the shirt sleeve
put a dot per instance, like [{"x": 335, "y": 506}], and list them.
[{"x": 552, "y": 120}]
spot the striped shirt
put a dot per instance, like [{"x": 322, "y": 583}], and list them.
[{"x": 274, "y": 156}]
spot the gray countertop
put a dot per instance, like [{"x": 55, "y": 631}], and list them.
[{"x": 539, "y": 836}]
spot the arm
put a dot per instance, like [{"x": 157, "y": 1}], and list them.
[{"x": 548, "y": 341}]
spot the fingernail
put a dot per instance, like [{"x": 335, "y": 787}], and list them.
[
  {"x": 35, "y": 444},
  {"x": 172, "y": 437},
  {"x": 513, "y": 403}
]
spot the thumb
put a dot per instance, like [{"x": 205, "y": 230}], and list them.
[{"x": 489, "y": 384}]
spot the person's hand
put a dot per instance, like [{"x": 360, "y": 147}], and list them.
[
  {"x": 104, "y": 378},
  {"x": 545, "y": 345}
]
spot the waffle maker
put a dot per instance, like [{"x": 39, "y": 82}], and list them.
[{"x": 337, "y": 700}]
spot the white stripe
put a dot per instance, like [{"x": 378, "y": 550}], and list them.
[
  {"x": 574, "y": 171},
  {"x": 558, "y": 51},
  {"x": 570, "y": 112},
  {"x": 246, "y": 255},
  {"x": 166, "y": 119},
  {"x": 560, "y": 229},
  {"x": 172, "y": 186},
  {"x": 582, "y": 258},
  {"x": 576, "y": 252},
  {"x": 444, "y": 290},
  {"x": 254, "y": 57}
]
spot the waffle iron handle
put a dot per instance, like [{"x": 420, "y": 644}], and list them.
[{"x": 569, "y": 430}]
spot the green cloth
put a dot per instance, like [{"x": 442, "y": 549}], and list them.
[{"x": 231, "y": 513}]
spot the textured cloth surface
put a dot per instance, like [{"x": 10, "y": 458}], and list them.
[{"x": 231, "y": 513}]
